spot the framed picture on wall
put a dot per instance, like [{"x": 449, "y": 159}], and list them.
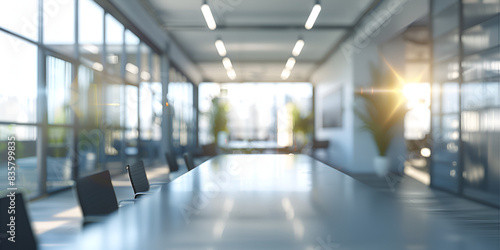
[{"x": 332, "y": 109}]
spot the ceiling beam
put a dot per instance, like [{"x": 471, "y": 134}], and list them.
[{"x": 256, "y": 27}]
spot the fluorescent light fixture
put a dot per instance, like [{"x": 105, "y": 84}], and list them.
[
  {"x": 285, "y": 74},
  {"x": 227, "y": 63},
  {"x": 112, "y": 59},
  {"x": 97, "y": 66},
  {"x": 313, "y": 16},
  {"x": 207, "y": 14},
  {"x": 145, "y": 75},
  {"x": 220, "y": 47},
  {"x": 298, "y": 47},
  {"x": 132, "y": 68},
  {"x": 231, "y": 74},
  {"x": 91, "y": 48},
  {"x": 290, "y": 63}
]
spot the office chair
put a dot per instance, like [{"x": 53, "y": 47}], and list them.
[
  {"x": 172, "y": 161},
  {"x": 24, "y": 237},
  {"x": 188, "y": 158},
  {"x": 139, "y": 179},
  {"x": 96, "y": 196}
]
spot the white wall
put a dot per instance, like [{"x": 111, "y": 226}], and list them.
[
  {"x": 335, "y": 73},
  {"x": 351, "y": 148}
]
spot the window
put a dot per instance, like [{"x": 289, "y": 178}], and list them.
[
  {"x": 19, "y": 79},
  {"x": 145, "y": 53},
  {"x": 20, "y": 17},
  {"x": 60, "y": 155},
  {"x": 90, "y": 34},
  {"x": 180, "y": 100},
  {"x": 87, "y": 105},
  {"x": 270, "y": 118},
  {"x": 59, "y": 80},
  {"x": 27, "y": 179},
  {"x": 132, "y": 70},
  {"x": 114, "y": 109},
  {"x": 59, "y": 16},
  {"x": 89, "y": 116},
  {"x": 114, "y": 45}
]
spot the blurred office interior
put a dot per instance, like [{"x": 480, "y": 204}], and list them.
[{"x": 88, "y": 86}]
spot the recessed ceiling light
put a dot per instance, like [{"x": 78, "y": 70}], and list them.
[
  {"x": 231, "y": 74},
  {"x": 227, "y": 63},
  {"x": 298, "y": 47},
  {"x": 290, "y": 63},
  {"x": 91, "y": 48},
  {"x": 132, "y": 68},
  {"x": 145, "y": 75},
  {"x": 207, "y": 14},
  {"x": 285, "y": 74},
  {"x": 97, "y": 66},
  {"x": 313, "y": 16},
  {"x": 112, "y": 59},
  {"x": 221, "y": 49}
]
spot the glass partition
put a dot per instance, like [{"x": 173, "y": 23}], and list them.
[{"x": 466, "y": 103}]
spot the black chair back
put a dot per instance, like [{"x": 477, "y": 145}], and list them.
[
  {"x": 138, "y": 177},
  {"x": 188, "y": 158},
  {"x": 24, "y": 237},
  {"x": 209, "y": 149},
  {"x": 172, "y": 161},
  {"x": 320, "y": 144},
  {"x": 96, "y": 194}
]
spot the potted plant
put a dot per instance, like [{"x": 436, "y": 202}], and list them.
[
  {"x": 384, "y": 107},
  {"x": 303, "y": 125},
  {"x": 218, "y": 118}
]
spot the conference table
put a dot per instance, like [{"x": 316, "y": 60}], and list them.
[{"x": 270, "y": 202}]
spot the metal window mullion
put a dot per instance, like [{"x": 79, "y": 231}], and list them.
[
  {"x": 123, "y": 115},
  {"x": 42, "y": 129},
  {"x": 102, "y": 86},
  {"x": 460, "y": 82},
  {"x": 166, "y": 122},
  {"x": 75, "y": 86},
  {"x": 138, "y": 60},
  {"x": 431, "y": 70}
]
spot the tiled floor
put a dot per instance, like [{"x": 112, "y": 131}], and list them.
[{"x": 57, "y": 218}]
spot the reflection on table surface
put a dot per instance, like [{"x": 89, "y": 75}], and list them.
[{"x": 273, "y": 202}]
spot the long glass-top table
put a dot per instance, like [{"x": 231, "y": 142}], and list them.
[{"x": 272, "y": 202}]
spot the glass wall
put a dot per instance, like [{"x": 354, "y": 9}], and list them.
[
  {"x": 466, "y": 98},
  {"x": 182, "y": 111},
  {"x": 19, "y": 97},
  {"x": 60, "y": 139},
  {"x": 82, "y": 93},
  {"x": 281, "y": 114}
]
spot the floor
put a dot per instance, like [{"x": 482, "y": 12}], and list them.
[{"x": 57, "y": 218}]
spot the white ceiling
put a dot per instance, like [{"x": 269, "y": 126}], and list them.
[{"x": 259, "y": 34}]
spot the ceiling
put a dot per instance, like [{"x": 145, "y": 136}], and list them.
[{"x": 259, "y": 35}]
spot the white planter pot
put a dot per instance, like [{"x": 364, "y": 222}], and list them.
[{"x": 381, "y": 165}]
